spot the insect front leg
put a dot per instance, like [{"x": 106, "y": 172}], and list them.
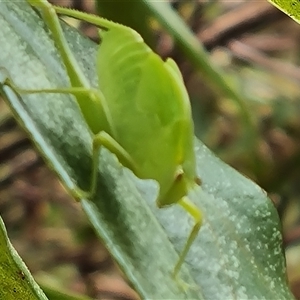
[{"x": 195, "y": 212}]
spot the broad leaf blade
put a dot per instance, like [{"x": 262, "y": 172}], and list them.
[
  {"x": 238, "y": 251},
  {"x": 16, "y": 281},
  {"x": 290, "y": 7},
  {"x": 119, "y": 214}
]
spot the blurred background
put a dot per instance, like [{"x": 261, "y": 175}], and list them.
[{"x": 257, "y": 47}]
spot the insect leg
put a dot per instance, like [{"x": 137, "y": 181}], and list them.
[
  {"x": 49, "y": 10},
  {"x": 104, "y": 139},
  {"x": 194, "y": 211},
  {"x": 76, "y": 91},
  {"x": 76, "y": 76}
]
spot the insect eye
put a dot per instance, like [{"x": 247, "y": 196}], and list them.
[
  {"x": 179, "y": 174},
  {"x": 179, "y": 177},
  {"x": 198, "y": 181}
]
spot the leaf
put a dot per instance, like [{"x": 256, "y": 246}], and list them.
[
  {"x": 16, "y": 280},
  {"x": 237, "y": 254},
  {"x": 114, "y": 10},
  {"x": 54, "y": 293},
  {"x": 291, "y": 8}
]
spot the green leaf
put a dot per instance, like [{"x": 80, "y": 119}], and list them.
[
  {"x": 16, "y": 281},
  {"x": 54, "y": 293},
  {"x": 114, "y": 10},
  {"x": 291, "y": 8},
  {"x": 237, "y": 254}
]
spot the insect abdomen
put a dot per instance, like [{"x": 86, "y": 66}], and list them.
[{"x": 145, "y": 105}]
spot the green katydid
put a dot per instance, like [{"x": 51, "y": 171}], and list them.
[{"x": 141, "y": 111}]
